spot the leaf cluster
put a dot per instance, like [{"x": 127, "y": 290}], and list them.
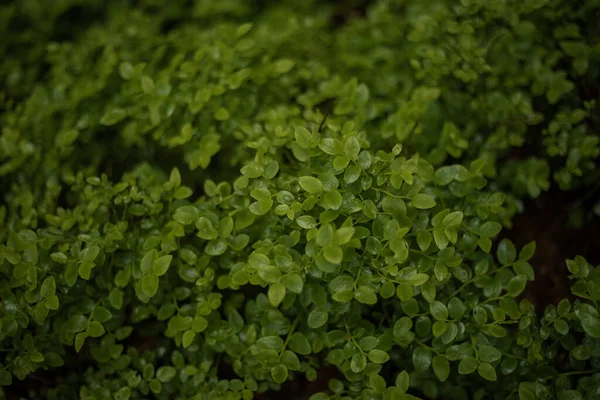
[{"x": 256, "y": 188}]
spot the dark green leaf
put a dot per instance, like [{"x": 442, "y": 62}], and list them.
[
  {"x": 506, "y": 253},
  {"x": 441, "y": 368},
  {"x": 421, "y": 358}
]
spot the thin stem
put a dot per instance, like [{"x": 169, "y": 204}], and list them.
[
  {"x": 352, "y": 338},
  {"x": 462, "y": 287},
  {"x": 420, "y": 253},
  {"x": 417, "y": 341},
  {"x": 571, "y": 374},
  {"x": 390, "y": 194},
  {"x": 287, "y": 339},
  {"x": 513, "y": 356},
  {"x": 511, "y": 394}
]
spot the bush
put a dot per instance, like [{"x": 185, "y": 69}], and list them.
[{"x": 208, "y": 200}]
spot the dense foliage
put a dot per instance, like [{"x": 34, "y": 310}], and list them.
[{"x": 208, "y": 199}]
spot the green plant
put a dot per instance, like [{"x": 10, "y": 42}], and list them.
[{"x": 210, "y": 200}]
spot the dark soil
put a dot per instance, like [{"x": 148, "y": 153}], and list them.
[{"x": 546, "y": 221}]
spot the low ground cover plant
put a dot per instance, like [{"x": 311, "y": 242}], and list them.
[{"x": 231, "y": 200}]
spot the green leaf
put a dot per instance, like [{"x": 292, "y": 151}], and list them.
[
  {"x": 488, "y": 354},
  {"x": 527, "y": 251},
  {"x": 368, "y": 343},
  {"x": 497, "y": 331},
  {"x": 344, "y": 235},
  {"x": 490, "y": 229},
  {"x": 377, "y": 383},
  {"x": 365, "y": 295},
  {"x": 186, "y": 215},
  {"x": 418, "y": 279},
  {"x": 276, "y": 293},
  {"x": 303, "y": 137},
  {"x": 402, "y": 326},
  {"x": 570, "y": 395},
  {"x": 225, "y": 226},
  {"x": 311, "y": 184},
  {"x": 161, "y": 265},
  {"x": 147, "y": 85},
  {"x": 76, "y": 323},
  {"x": 591, "y": 325},
  {"x": 358, "y": 362},
  {"x": 89, "y": 254},
  {"x": 378, "y": 356},
  {"x": 113, "y": 116},
  {"x": 438, "y": 310},
  {"x": 467, "y": 365},
  {"x": 485, "y": 244},
  {"x": 148, "y": 261},
  {"x": 387, "y": 290},
  {"x": 48, "y": 288},
  {"x": 101, "y": 314},
  {"x": 299, "y": 344},
  {"x": 59, "y": 257},
  {"x": 342, "y": 288},
  {"x": 453, "y": 220},
  {"x": 52, "y": 303},
  {"x": 441, "y": 240},
  {"x": 446, "y": 174},
  {"x": 188, "y": 338},
  {"x": 331, "y": 146},
  {"x": 524, "y": 268},
  {"x": 525, "y": 393},
  {"x": 182, "y": 192},
  {"x": 423, "y": 201},
  {"x": 486, "y": 371},
  {"x": 115, "y": 298},
  {"x": 205, "y": 228},
  {"x": 165, "y": 373},
  {"x": 506, "y": 252},
  {"x": 150, "y": 285},
  {"x": 306, "y": 222},
  {"x": 404, "y": 291},
  {"x": 352, "y": 147},
  {"x": 403, "y": 381},
  {"x": 216, "y": 247},
  {"x": 261, "y": 207},
  {"x": 95, "y": 329},
  {"x": 516, "y": 285},
  {"x": 581, "y": 353},
  {"x": 317, "y": 318},
  {"x": 28, "y": 236},
  {"x": 279, "y": 373},
  {"x": 561, "y": 326},
  {"x": 293, "y": 282},
  {"x": 271, "y": 342},
  {"x": 79, "y": 340},
  {"x": 200, "y": 324},
  {"x": 282, "y": 66},
  {"x": 325, "y": 235},
  {"x": 155, "y": 386},
  {"x": 421, "y": 359},
  {"x": 424, "y": 240},
  {"x": 5, "y": 378},
  {"x": 124, "y": 393},
  {"x": 333, "y": 254},
  {"x": 290, "y": 360},
  {"x": 85, "y": 270},
  {"x": 331, "y": 200},
  {"x": 441, "y": 367}
]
